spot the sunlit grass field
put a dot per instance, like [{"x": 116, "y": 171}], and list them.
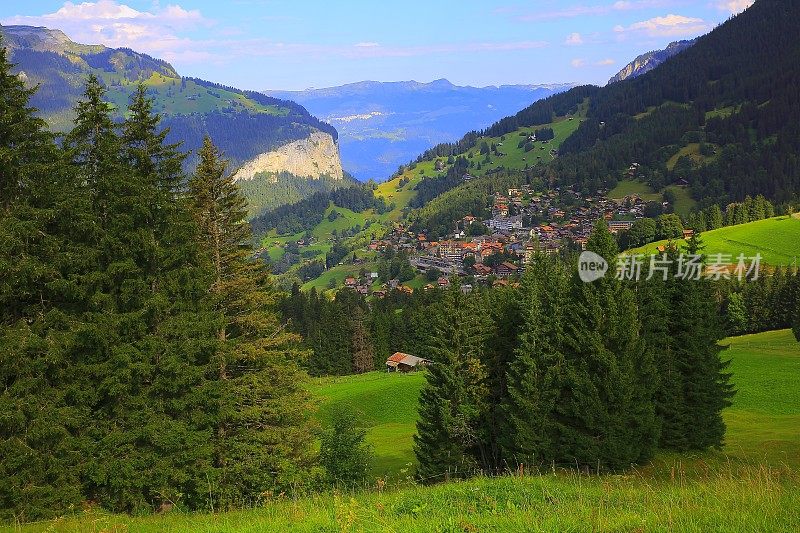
[
  {"x": 776, "y": 239},
  {"x": 684, "y": 203}
]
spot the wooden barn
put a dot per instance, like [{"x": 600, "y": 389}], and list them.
[{"x": 403, "y": 362}]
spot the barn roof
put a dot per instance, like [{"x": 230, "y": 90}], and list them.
[{"x": 406, "y": 359}]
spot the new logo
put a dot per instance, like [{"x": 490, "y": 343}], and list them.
[{"x": 591, "y": 267}]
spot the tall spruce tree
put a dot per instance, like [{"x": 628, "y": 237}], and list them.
[
  {"x": 608, "y": 421},
  {"x": 363, "y": 353},
  {"x": 795, "y": 304},
  {"x": 454, "y": 397},
  {"x": 143, "y": 346},
  {"x": 507, "y": 318},
  {"x": 531, "y": 428},
  {"x": 264, "y": 435},
  {"x": 705, "y": 383},
  {"x": 39, "y": 200}
]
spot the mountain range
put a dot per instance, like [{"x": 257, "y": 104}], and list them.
[{"x": 383, "y": 125}]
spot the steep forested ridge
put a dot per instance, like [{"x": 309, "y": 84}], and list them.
[
  {"x": 735, "y": 87},
  {"x": 732, "y": 94},
  {"x": 242, "y": 123}
]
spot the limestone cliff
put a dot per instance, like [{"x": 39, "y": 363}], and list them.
[
  {"x": 312, "y": 158},
  {"x": 647, "y": 62}
]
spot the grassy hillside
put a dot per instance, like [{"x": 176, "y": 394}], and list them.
[
  {"x": 753, "y": 484},
  {"x": 764, "y": 419},
  {"x": 513, "y": 156},
  {"x": 684, "y": 203},
  {"x": 384, "y": 403},
  {"x": 776, "y": 239},
  {"x": 633, "y": 187}
]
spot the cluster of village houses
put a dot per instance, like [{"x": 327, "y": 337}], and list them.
[{"x": 510, "y": 232}]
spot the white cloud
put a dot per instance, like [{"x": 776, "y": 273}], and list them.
[
  {"x": 667, "y": 26},
  {"x": 574, "y": 39},
  {"x": 167, "y": 33},
  {"x": 580, "y": 63},
  {"x": 115, "y": 24},
  {"x": 734, "y": 6}
]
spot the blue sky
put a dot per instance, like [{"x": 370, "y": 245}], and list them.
[{"x": 278, "y": 44}]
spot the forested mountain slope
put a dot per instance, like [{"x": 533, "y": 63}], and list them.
[
  {"x": 244, "y": 124},
  {"x": 722, "y": 116}
]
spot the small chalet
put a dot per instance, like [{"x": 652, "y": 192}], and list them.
[
  {"x": 481, "y": 270},
  {"x": 506, "y": 269},
  {"x": 403, "y": 362}
]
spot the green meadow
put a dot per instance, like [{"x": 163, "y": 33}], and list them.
[
  {"x": 776, "y": 239},
  {"x": 752, "y": 484},
  {"x": 684, "y": 203},
  {"x": 385, "y": 404}
]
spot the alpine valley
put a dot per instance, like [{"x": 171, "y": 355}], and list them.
[
  {"x": 384, "y": 125},
  {"x": 534, "y": 308},
  {"x": 711, "y": 126}
]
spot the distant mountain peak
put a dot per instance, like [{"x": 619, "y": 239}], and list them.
[{"x": 650, "y": 60}]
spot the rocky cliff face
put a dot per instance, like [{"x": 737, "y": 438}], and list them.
[
  {"x": 312, "y": 158},
  {"x": 647, "y": 62}
]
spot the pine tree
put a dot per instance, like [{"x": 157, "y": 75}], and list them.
[
  {"x": 531, "y": 427},
  {"x": 39, "y": 205},
  {"x": 363, "y": 353},
  {"x": 380, "y": 333},
  {"x": 695, "y": 327},
  {"x": 143, "y": 347},
  {"x": 714, "y": 218},
  {"x": 343, "y": 452},
  {"x": 706, "y": 387},
  {"x": 606, "y": 405},
  {"x": 453, "y": 399},
  {"x": 330, "y": 337},
  {"x": 736, "y": 314},
  {"x": 263, "y": 437},
  {"x": 795, "y": 304},
  {"x": 507, "y": 318}
]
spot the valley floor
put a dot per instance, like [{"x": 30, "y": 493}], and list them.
[{"x": 753, "y": 484}]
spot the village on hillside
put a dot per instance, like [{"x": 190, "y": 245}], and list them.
[{"x": 495, "y": 250}]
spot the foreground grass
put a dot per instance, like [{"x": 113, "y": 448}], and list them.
[
  {"x": 726, "y": 500},
  {"x": 752, "y": 484}
]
